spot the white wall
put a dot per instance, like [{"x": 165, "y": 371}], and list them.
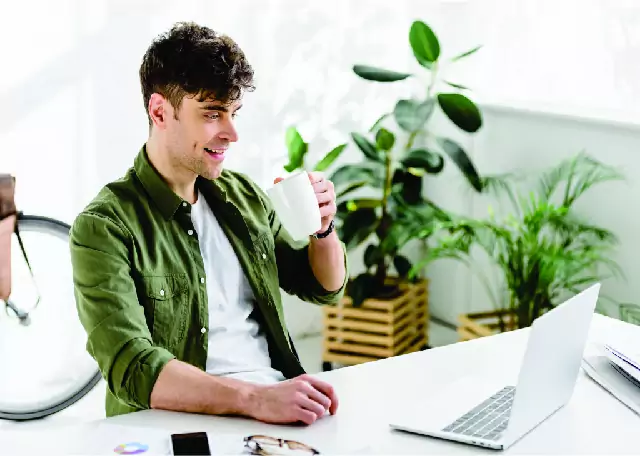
[{"x": 72, "y": 116}]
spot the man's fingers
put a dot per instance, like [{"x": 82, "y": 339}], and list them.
[
  {"x": 326, "y": 389},
  {"x": 317, "y": 396},
  {"x": 320, "y": 187},
  {"x": 307, "y": 403},
  {"x": 325, "y": 197},
  {"x": 328, "y": 209},
  {"x": 316, "y": 176},
  {"x": 306, "y": 416}
]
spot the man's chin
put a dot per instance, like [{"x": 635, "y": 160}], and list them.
[{"x": 212, "y": 173}]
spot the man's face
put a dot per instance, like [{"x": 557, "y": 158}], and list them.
[{"x": 198, "y": 139}]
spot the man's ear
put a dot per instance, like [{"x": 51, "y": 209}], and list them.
[{"x": 157, "y": 110}]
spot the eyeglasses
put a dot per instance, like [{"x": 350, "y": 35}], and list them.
[{"x": 265, "y": 445}]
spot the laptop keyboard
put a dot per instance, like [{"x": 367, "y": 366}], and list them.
[{"x": 487, "y": 420}]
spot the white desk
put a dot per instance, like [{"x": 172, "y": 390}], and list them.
[{"x": 592, "y": 423}]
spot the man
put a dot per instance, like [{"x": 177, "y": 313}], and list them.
[{"x": 178, "y": 265}]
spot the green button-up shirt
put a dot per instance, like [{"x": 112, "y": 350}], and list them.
[{"x": 137, "y": 271}]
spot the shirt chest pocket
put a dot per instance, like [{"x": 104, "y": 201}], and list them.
[{"x": 166, "y": 307}]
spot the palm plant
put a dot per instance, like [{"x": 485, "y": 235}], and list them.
[{"x": 542, "y": 250}]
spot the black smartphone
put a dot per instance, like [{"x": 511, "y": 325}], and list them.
[{"x": 191, "y": 444}]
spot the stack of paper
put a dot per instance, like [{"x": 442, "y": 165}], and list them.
[
  {"x": 618, "y": 373},
  {"x": 623, "y": 364}
]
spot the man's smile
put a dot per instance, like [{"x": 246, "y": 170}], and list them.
[{"x": 215, "y": 154}]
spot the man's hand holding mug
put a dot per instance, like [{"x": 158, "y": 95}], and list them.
[{"x": 325, "y": 196}]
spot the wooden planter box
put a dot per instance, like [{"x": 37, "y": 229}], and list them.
[
  {"x": 377, "y": 329},
  {"x": 481, "y": 324}
]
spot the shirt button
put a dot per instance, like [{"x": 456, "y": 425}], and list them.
[
  {"x": 190, "y": 232},
  {"x": 203, "y": 330},
  {"x": 264, "y": 256},
  {"x": 161, "y": 292},
  {"x": 184, "y": 204},
  {"x": 201, "y": 279}
]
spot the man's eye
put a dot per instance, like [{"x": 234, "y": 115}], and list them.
[{"x": 214, "y": 116}]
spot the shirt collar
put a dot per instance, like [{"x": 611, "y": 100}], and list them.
[{"x": 162, "y": 195}]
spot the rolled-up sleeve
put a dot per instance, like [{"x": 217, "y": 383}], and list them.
[
  {"x": 294, "y": 268},
  {"x": 118, "y": 337}
]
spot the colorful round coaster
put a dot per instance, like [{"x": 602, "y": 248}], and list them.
[{"x": 131, "y": 448}]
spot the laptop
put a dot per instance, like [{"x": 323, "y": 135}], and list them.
[{"x": 486, "y": 412}]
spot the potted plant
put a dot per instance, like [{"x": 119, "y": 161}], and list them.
[
  {"x": 543, "y": 251},
  {"x": 398, "y": 151}
]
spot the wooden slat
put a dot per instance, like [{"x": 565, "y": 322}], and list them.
[
  {"x": 466, "y": 334},
  {"x": 406, "y": 306},
  {"x": 373, "y": 304},
  {"x": 358, "y": 349},
  {"x": 410, "y": 336},
  {"x": 359, "y": 337},
  {"x": 369, "y": 315},
  {"x": 400, "y": 334},
  {"x": 418, "y": 344},
  {"x": 365, "y": 326},
  {"x": 347, "y": 359},
  {"x": 407, "y": 317},
  {"x": 474, "y": 327},
  {"x": 482, "y": 324}
]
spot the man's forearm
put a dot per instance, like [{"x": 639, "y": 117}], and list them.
[
  {"x": 184, "y": 388},
  {"x": 327, "y": 261}
]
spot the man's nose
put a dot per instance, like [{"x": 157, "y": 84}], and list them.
[{"x": 229, "y": 132}]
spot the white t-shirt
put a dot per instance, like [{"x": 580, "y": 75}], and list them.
[{"x": 236, "y": 346}]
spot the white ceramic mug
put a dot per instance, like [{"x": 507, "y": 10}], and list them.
[{"x": 296, "y": 205}]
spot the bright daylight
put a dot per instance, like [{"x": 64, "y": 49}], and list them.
[{"x": 347, "y": 227}]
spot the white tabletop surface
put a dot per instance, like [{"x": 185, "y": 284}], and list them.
[{"x": 593, "y": 422}]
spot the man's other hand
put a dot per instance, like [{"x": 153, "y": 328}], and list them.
[{"x": 302, "y": 399}]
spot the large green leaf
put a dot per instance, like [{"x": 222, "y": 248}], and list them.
[
  {"x": 330, "y": 158},
  {"x": 297, "y": 149},
  {"x": 367, "y": 148},
  {"x": 402, "y": 265},
  {"x": 424, "y": 43},
  {"x": 461, "y": 111},
  {"x": 409, "y": 186},
  {"x": 399, "y": 234},
  {"x": 462, "y": 160},
  {"x": 361, "y": 287},
  {"x": 372, "y": 255},
  {"x": 348, "y": 175},
  {"x": 429, "y": 161},
  {"x": 350, "y": 188},
  {"x": 378, "y": 74},
  {"x": 466, "y": 54},
  {"x": 412, "y": 115},
  {"x": 357, "y": 226},
  {"x": 385, "y": 139}
]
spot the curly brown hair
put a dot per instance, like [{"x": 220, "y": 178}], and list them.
[{"x": 196, "y": 61}]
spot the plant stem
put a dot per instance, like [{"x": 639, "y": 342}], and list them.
[
  {"x": 381, "y": 268},
  {"x": 410, "y": 141},
  {"x": 387, "y": 184}
]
